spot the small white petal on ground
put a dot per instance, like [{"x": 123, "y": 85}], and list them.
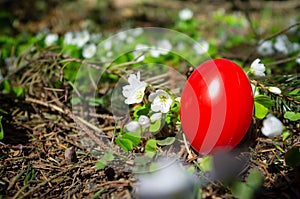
[
  {"x": 272, "y": 126},
  {"x": 274, "y": 89}
]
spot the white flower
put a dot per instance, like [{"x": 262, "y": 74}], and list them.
[
  {"x": 165, "y": 46},
  {"x": 298, "y": 59},
  {"x": 295, "y": 47},
  {"x": 107, "y": 44},
  {"x": 274, "y": 89},
  {"x": 51, "y": 39},
  {"x": 201, "y": 46},
  {"x": 82, "y": 38},
  {"x": 257, "y": 68},
  {"x": 95, "y": 37},
  {"x": 155, "y": 52},
  {"x": 138, "y": 56},
  {"x": 132, "y": 126},
  {"x": 282, "y": 44},
  {"x": 89, "y": 51},
  {"x": 68, "y": 38},
  {"x": 144, "y": 121},
  {"x": 155, "y": 116},
  {"x": 137, "y": 31},
  {"x": 185, "y": 14},
  {"x": 122, "y": 36},
  {"x": 129, "y": 39},
  {"x": 141, "y": 47},
  {"x": 254, "y": 90},
  {"x": 265, "y": 48},
  {"x": 272, "y": 126},
  {"x": 161, "y": 101},
  {"x": 134, "y": 92}
]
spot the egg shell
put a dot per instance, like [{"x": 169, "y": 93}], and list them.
[{"x": 216, "y": 106}]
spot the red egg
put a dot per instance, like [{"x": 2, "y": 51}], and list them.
[{"x": 216, "y": 106}]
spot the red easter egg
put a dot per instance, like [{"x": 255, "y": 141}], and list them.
[{"x": 216, "y": 106}]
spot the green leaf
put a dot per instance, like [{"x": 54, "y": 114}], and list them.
[
  {"x": 18, "y": 91},
  {"x": 264, "y": 100},
  {"x": 75, "y": 100},
  {"x": 285, "y": 135},
  {"x": 292, "y": 115},
  {"x": 134, "y": 137},
  {"x": 155, "y": 126},
  {"x": 191, "y": 169},
  {"x": 292, "y": 157},
  {"x": 141, "y": 110},
  {"x": 175, "y": 106},
  {"x": 6, "y": 86},
  {"x": 95, "y": 101},
  {"x": 97, "y": 194},
  {"x": 255, "y": 179},
  {"x": 101, "y": 164},
  {"x": 294, "y": 92},
  {"x": 107, "y": 157},
  {"x": 241, "y": 190},
  {"x": 150, "y": 146},
  {"x": 260, "y": 110},
  {"x": 141, "y": 160},
  {"x": 206, "y": 163},
  {"x": 166, "y": 141},
  {"x": 3, "y": 111},
  {"x": 1, "y": 129},
  {"x": 126, "y": 144}
]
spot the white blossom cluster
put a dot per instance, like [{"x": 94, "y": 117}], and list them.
[
  {"x": 134, "y": 93},
  {"x": 282, "y": 45},
  {"x": 83, "y": 40}
]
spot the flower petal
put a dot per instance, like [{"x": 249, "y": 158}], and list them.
[{"x": 272, "y": 126}]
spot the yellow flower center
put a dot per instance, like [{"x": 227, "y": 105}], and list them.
[
  {"x": 163, "y": 98},
  {"x": 139, "y": 95}
]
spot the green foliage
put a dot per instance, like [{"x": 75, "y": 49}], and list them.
[
  {"x": 1, "y": 129},
  {"x": 107, "y": 157},
  {"x": 6, "y": 88},
  {"x": 155, "y": 126},
  {"x": 206, "y": 163},
  {"x": 246, "y": 190},
  {"x": 262, "y": 104},
  {"x": 126, "y": 144},
  {"x": 292, "y": 157},
  {"x": 292, "y": 116},
  {"x": 165, "y": 142},
  {"x": 30, "y": 175},
  {"x": 97, "y": 194},
  {"x": 141, "y": 110},
  {"x": 285, "y": 135},
  {"x": 150, "y": 147}
]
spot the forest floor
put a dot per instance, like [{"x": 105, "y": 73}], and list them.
[{"x": 42, "y": 154}]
